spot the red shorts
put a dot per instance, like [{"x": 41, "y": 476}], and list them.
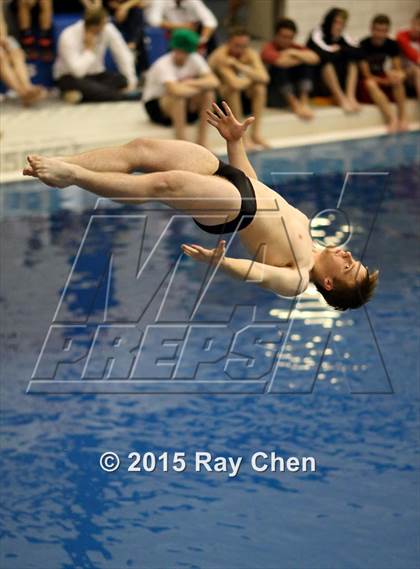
[{"x": 363, "y": 94}]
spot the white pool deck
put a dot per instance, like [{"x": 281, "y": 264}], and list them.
[{"x": 55, "y": 128}]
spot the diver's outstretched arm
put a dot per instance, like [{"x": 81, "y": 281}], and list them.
[
  {"x": 284, "y": 281},
  {"x": 232, "y": 131}
]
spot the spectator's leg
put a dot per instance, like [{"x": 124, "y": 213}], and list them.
[
  {"x": 285, "y": 80},
  {"x": 413, "y": 74},
  {"x": 304, "y": 85},
  {"x": 18, "y": 60},
  {"x": 45, "y": 30},
  {"x": 330, "y": 78},
  {"x": 258, "y": 95},
  {"x": 176, "y": 109},
  {"x": 233, "y": 99},
  {"x": 27, "y": 36},
  {"x": 351, "y": 85},
  {"x": 280, "y": 85},
  {"x": 28, "y": 93},
  {"x": 8, "y": 74},
  {"x": 112, "y": 80},
  {"x": 382, "y": 102},
  {"x": 92, "y": 88},
  {"x": 399, "y": 96},
  {"x": 202, "y": 103},
  {"x": 132, "y": 26},
  {"x": 233, "y": 8}
]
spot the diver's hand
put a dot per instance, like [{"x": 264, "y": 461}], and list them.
[
  {"x": 226, "y": 122},
  {"x": 210, "y": 256}
]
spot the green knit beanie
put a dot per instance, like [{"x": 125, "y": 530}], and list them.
[{"x": 185, "y": 40}]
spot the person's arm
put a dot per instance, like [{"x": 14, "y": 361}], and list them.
[
  {"x": 123, "y": 8},
  {"x": 91, "y": 4},
  {"x": 206, "y": 81},
  {"x": 229, "y": 77},
  {"x": 396, "y": 74},
  {"x": 305, "y": 55},
  {"x": 122, "y": 55},
  {"x": 203, "y": 76},
  {"x": 403, "y": 39},
  {"x": 232, "y": 131},
  {"x": 318, "y": 39},
  {"x": 154, "y": 14},
  {"x": 368, "y": 76},
  {"x": 181, "y": 89},
  {"x": 284, "y": 281},
  {"x": 206, "y": 34},
  {"x": 77, "y": 55},
  {"x": 3, "y": 25},
  {"x": 255, "y": 70},
  {"x": 206, "y": 18}
]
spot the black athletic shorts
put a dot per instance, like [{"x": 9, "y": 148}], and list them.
[
  {"x": 155, "y": 113},
  {"x": 248, "y": 203}
]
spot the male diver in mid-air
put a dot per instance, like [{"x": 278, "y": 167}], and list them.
[{"x": 222, "y": 199}]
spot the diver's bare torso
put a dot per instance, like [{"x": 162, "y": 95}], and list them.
[{"x": 279, "y": 233}]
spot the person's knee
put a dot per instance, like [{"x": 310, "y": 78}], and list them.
[
  {"x": 258, "y": 90},
  {"x": 168, "y": 183},
  {"x": 206, "y": 97},
  {"x": 45, "y": 4},
  {"x": 230, "y": 90},
  {"x": 370, "y": 84},
  {"x": 177, "y": 104},
  {"x": 138, "y": 145}
]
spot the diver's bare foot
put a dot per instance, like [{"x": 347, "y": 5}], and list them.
[{"x": 51, "y": 171}]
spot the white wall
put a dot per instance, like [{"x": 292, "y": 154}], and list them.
[{"x": 308, "y": 13}]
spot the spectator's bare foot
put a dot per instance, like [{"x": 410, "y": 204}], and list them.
[
  {"x": 259, "y": 141},
  {"x": 346, "y": 105},
  {"x": 402, "y": 125},
  {"x": 72, "y": 97},
  {"x": 304, "y": 112},
  {"x": 392, "y": 126},
  {"x": 249, "y": 144},
  {"x": 33, "y": 95},
  {"x": 356, "y": 108},
  {"x": 52, "y": 172}
]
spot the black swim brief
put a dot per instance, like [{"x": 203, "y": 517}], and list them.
[{"x": 248, "y": 202}]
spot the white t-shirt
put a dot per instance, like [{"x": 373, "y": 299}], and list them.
[
  {"x": 164, "y": 71},
  {"x": 187, "y": 11},
  {"x": 74, "y": 59}
]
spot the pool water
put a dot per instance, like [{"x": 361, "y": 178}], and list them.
[{"x": 295, "y": 378}]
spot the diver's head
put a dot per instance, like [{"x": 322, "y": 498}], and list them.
[{"x": 343, "y": 282}]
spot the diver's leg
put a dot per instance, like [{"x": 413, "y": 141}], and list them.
[
  {"x": 212, "y": 198},
  {"x": 148, "y": 155}
]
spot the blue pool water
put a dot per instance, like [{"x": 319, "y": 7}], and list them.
[{"x": 345, "y": 388}]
